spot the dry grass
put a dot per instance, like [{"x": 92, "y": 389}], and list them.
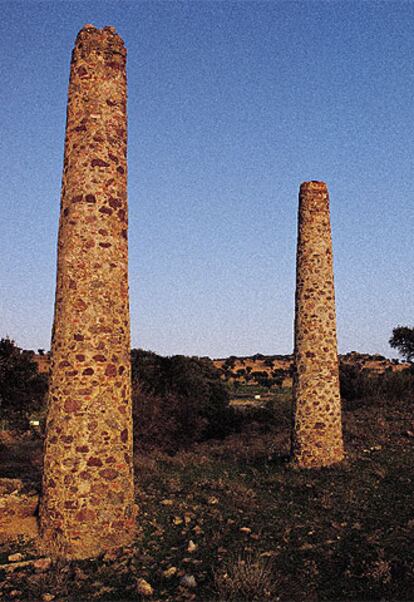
[
  {"x": 246, "y": 578},
  {"x": 261, "y": 530}
]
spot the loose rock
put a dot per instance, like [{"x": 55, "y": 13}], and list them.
[
  {"x": 15, "y": 557},
  {"x": 42, "y": 564},
  {"x": 189, "y": 581},
  {"x": 168, "y": 573},
  {"x": 144, "y": 588},
  {"x": 166, "y": 502},
  {"x": 191, "y": 546}
]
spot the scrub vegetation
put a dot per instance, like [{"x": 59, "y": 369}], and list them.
[{"x": 225, "y": 516}]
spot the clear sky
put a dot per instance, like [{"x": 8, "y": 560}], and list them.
[{"x": 231, "y": 106}]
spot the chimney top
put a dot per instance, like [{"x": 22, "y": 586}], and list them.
[{"x": 313, "y": 185}]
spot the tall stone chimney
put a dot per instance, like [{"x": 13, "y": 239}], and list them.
[
  {"x": 317, "y": 429},
  {"x": 87, "y": 504}
]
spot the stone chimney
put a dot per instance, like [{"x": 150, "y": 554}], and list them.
[
  {"x": 317, "y": 429},
  {"x": 87, "y": 503}
]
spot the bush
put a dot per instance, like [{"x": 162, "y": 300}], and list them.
[
  {"x": 157, "y": 420},
  {"x": 178, "y": 401},
  {"x": 360, "y": 386},
  {"x": 22, "y": 388},
  {"x": 259, "y": 374},
  {"x": 278, "y": 376}
]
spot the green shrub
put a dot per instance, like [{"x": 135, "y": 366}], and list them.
[
  {"x": 360, "y": 386},
  {"x": 178, "y": 401}
]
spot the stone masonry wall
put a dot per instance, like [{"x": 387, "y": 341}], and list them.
[
  {"x": 87, "y": 504},
  {"x": 317, "y": 432}
]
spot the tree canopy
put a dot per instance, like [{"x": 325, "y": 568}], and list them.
[{"x": 403, "y": 340}]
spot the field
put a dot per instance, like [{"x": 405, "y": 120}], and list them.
[{"x": 232, "y": 520}]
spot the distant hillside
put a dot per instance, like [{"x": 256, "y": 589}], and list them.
[
  {"x": 277, "y": 369},
  {"x": 274, "y": 369},
  {"x": 42, "y": 361}
]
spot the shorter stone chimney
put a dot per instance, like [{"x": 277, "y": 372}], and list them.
[{"x": 317, "y": 426}]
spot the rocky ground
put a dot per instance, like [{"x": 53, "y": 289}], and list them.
[{"x": 232, "y": 520}]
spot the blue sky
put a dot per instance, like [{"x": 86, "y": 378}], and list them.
[{"x": 231, "y": 106}]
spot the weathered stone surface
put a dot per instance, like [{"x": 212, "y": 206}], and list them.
[
  {"x": 90, "y": 363},
  {"x": 317, "y": 433}
]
